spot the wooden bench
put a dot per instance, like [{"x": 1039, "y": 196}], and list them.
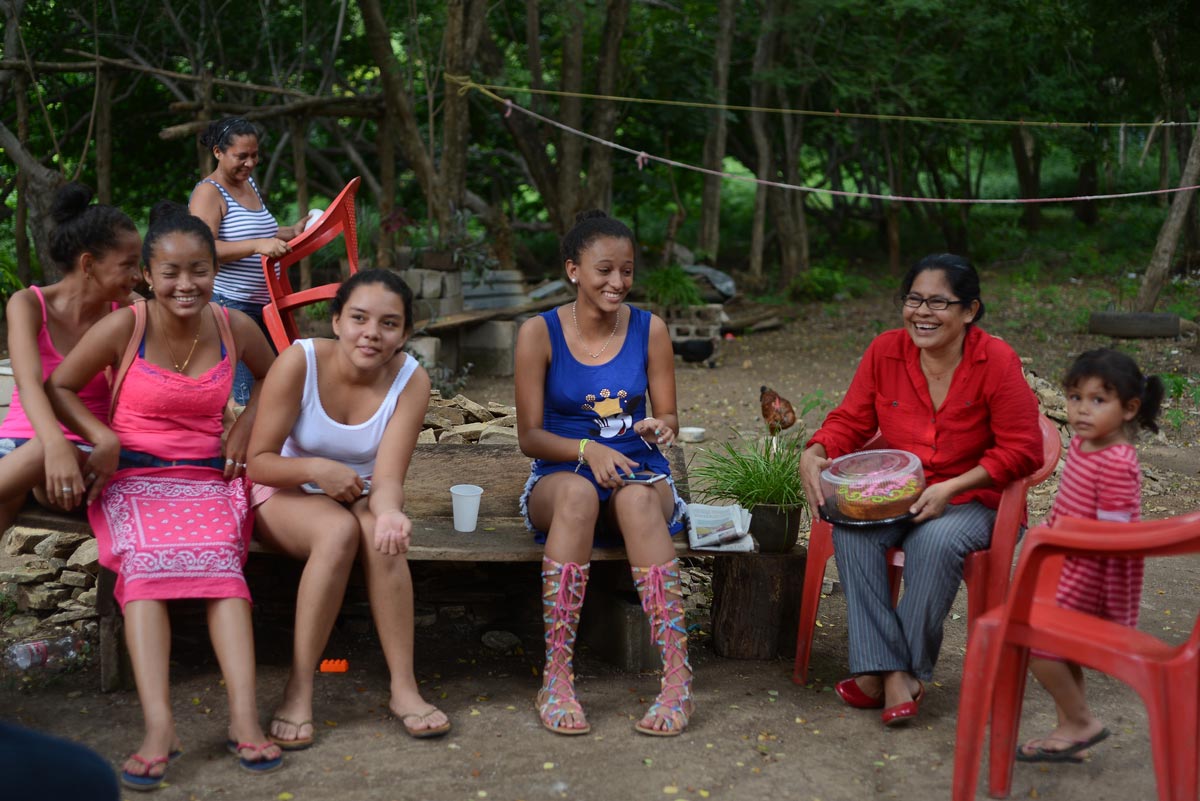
[{"x": 500, "y": 535}]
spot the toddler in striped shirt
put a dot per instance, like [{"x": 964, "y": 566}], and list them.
[{"x": 1108, "y": 401}]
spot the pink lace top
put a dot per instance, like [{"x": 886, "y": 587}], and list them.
[{"x": 173, "y": 416}]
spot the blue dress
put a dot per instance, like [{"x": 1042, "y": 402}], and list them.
[{"x": 601, "y": 402}]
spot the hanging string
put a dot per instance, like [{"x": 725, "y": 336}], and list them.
[
  {"x": 466, "y": 84},
  {"x": 641, "y": 158}
]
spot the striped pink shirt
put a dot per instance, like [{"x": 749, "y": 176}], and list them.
[{"x": 1101, "y": 485}]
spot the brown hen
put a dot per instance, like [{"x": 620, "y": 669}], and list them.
[{"x": 776, "y": 410}]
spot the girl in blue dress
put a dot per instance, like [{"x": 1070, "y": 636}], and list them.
[{"x": 595, "y": 391}]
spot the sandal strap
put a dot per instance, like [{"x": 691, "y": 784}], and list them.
[
  {"x": 563, "y": 588},
  {"x": 148, "y": 763},
  {"x": 658, "y": 587}
]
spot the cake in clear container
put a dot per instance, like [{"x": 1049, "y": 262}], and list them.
[{"x": 873, "y": 485}]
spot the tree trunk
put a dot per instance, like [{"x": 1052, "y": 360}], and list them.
[
  {"x": 1168, "y": 236},
  {"x": 299, "y": 131},
  {"x": 1086, "y": 211},
  {"x": 385, "y": 256},
  {"x": 604, "y": 123},
  {"x": 379, "y": 42},
  {"x": 21, "y": 217},
  {"x": 464, "y": 25},
  {"x": 714, "y": 141},
  {"x": 41, "y": 185},
  {"x": 104, "y": 137},
  {"x": 570, "y": 109},
  {"x": 1027, "y": 159},
  {"x": 764, "y": 58},
  {"x": 756, "y": 604}
]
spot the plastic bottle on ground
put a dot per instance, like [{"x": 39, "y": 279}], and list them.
[{"x": 44, "y": 654}]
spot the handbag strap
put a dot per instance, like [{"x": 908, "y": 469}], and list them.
[{"x": 138, "y": 308}]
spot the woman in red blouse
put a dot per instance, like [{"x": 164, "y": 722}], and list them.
[{"x": 955, "y": 396}]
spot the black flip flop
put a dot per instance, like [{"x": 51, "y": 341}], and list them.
[{"x": 1069, "y": 754}]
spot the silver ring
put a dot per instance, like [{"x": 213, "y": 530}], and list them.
[
  {"x": 229, "y": 462},
  {"x": 242, "y": 465},
  {"x": 68, "y": 489}
]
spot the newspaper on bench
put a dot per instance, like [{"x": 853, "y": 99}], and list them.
[{"x": 719, "y": 528}]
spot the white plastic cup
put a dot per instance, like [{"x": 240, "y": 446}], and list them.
[{"x": 465, "y": 498}]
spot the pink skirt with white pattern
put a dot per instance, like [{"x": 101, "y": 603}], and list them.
[{"x": 173, "y": 532}]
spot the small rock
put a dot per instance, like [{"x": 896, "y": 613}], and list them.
[
  {"x": 494, "y": 435},
  {"x": 22, "y": 540},
  {"x": 427, "y": 437},
  {"x": 74, "y": 578},
  {"x": 86, "y": 557},
  {"x": 472, "y": 408},
  {"x": 500, "y": 410},
  {"x": 39, "y": 597},
  {"x": 20, "y": 626},
  {"x": 71, "y": 616},
  {"x": 60, "y": 545},
  {"x": 88, "y": 598},
  {"x": 32, "y": 573},
  {"x": 456, "y": 612},
  {"x": 451, "y": 438},
  {"x": 470, "y": 431},
  {"x": 503, "y": 642}
]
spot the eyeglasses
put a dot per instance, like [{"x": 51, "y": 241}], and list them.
[{"x": 935, "y": 303}]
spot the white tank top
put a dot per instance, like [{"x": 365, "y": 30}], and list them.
[{"x": 316, "y": 434}]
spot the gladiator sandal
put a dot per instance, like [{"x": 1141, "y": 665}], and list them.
[
  {"x": 658, "y": 586},
  {"x": 563, "y": 586}
]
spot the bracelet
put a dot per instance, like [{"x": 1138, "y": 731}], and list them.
[{"x": 582, "y": 444}]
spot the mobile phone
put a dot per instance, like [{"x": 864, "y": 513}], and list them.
[
  {"x": 312, "y": 488},
  {"x": 643, "y": 477}
]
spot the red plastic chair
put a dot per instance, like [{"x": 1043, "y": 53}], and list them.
[
  {"x": 1166, "y": 677},
  {"x": 985, "y": 572},
  {"x": 337, "y": 219}
]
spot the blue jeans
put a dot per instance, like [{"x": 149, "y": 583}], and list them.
[
  {"x": 243, "y": 379},
  {"x": 142, "y": 459}
]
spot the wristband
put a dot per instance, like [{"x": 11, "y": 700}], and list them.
[{"x": 582, "y": 444}]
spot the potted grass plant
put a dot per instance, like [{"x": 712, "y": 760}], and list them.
[{"x": 763, "y": 476}]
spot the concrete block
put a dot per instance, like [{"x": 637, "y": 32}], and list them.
[
  {"x": 428, "y": 350},
  {"x": 489, "y": 347},
  {"x": 452, "y": 284},
  {"x": 494, "y": 334},
  {"x": 614, "y": 628},
  {"x": 436, "y": 308}
]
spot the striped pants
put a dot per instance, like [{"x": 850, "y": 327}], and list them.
[{"x": 909, "y": 636}]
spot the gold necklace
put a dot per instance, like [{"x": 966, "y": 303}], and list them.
[
  {"x": 579, "y": 333},
  {"x": 178, "y": 367}
]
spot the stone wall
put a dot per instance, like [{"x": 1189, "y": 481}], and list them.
[{"x": 55, "y": 561}]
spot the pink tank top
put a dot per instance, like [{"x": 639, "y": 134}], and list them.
[
  {"x": 94, "y": 395},
  {"x": 175, "y": 416}
]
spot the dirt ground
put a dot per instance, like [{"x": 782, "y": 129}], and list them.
[{"x": 754, "y": 734}]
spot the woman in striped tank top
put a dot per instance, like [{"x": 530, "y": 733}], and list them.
[{"x": 229, "y": 201}]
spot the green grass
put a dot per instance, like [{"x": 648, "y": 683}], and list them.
[{"x": 751, "y": 472}]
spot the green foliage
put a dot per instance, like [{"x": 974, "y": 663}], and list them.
[
  {"x": 8, "y": 606},
  {"x": 822, "y": 282},
  {"x": 670, "y": 287},
  {"x": 752, "y": 472}
]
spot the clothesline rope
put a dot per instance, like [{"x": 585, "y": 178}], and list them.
[
  {"x": 642, "y": 158},
  {"x": 467, "y": 84}
]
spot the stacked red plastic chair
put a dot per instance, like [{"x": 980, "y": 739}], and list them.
[
  {"x": 986, "y": 572},
  {"x": 1167, "y": 677},
  {"x": 279, "y": 313}
]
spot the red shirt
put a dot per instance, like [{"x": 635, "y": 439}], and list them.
[{"x": 989, "y": 417}]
